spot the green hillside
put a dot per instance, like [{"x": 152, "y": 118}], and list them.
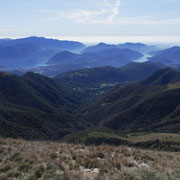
[
  {"x": 143, "y": 107},
  {"x": 36, "y": 107},
  {"x": 100, "y": 79}
]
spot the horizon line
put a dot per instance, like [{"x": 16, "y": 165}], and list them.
[{"x": 92, "y": 39}]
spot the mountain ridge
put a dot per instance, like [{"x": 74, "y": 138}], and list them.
[
  {"x": 33, "y": 51},
  {"x": 36, "y": 107},
  {"x": 138, "y": 107},
  {"x": 112, "y": 57}
]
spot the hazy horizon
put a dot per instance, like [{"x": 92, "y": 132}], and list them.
[
  {"x": 166, "y": 40},
  {"x": 90, "y": 40}
]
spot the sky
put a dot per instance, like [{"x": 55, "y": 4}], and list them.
[{"x": 149, "y": 20}]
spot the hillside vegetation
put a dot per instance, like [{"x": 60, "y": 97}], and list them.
[
  {"x": 100, "y": 79},
  {"x": 149, "y": 106},
  {"x": 36, "y": 107}
]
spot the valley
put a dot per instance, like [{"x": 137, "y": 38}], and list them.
[{"x": 99, "y": 102}]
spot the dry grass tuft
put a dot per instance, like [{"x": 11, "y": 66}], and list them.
[{"x": 26, "y": 160}]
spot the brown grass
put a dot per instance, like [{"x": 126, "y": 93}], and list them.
[{"x": 26, "y": 160}]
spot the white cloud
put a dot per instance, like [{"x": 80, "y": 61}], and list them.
[
  {"x": 108, "y": 14},
  {"x": 79, "y": 16},
  {"x": 132, "y": 21},
  {"x": 115, "y": 11}
]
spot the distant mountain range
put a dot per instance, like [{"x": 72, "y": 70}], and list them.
[
  {"x": 169, "y": 56},
  {"x": 68, "y": 61},
  {"x": 99, "y": 47},
  {"x": 110, "y": 57},
  {"x": 53, "y": 70},
  {"x": 139, "y": 47},
  {"x": 142, "y": 48},
  {"x": 46, "y": 44},
  {"x": 20, "y": 55},
  {"x": 64, "y": 58},
  {"x": 33, "y": 51},
  {"x": 152, "y": 105}
]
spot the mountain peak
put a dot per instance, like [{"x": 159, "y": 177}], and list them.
[
  {"x": 143, "y": 48},
  {"x": 99, "y": 47},
  {"x": 134, "y": 44},
  {"x": 102, "y": 44},
  {"x": 66, "y": 53}
]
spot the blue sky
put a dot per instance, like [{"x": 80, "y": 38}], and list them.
[{"x": 57, "y": 18}]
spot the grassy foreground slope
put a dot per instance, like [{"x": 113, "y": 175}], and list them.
[
  {"x": 25, "y": 160},
  {"x": 147, "y": 140}
]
